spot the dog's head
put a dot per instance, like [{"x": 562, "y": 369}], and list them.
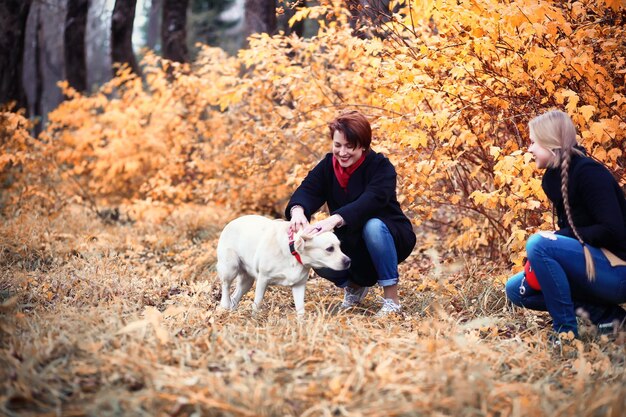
[{"x": 321, "y": 251}]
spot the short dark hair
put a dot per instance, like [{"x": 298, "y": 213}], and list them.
[{"x": 355, "y": 128}]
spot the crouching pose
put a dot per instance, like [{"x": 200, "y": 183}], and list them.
[
  {"x": 359, "y": 187},
  {"x": 582, "y": 266}
]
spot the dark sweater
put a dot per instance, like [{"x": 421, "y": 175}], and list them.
[
  {"x": 371, "y": 193},
  {"x": 597, "y": 204}
]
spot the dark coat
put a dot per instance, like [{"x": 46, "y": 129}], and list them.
[
  {"x": 597, "y": 203},
  {"x": 371, "y": 193}
]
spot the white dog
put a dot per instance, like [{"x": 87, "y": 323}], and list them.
[{"x": 257, "y": 248}]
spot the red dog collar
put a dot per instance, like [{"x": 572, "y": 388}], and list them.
[{"x": 292, "y": 247}]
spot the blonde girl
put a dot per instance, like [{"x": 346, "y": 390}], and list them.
[{"x": 582, "y": 266}]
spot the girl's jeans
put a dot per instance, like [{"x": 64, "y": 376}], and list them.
[
  {"x": 559, "y": 264},
  {"x": 382, "y": 250}
]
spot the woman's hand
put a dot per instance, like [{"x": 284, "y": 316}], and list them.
[
  {"x": 298, "y": 219},
  {"x": 326, "y": 225}
]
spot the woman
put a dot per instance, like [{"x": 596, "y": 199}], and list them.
[
  {"x": 359, "y": 187},
  {"x": 581, "y": 268}
]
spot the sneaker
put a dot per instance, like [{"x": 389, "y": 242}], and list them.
[
  {"x": 562, "y": 342},
  {"x": 610, "y": 328},
  {"x": 353, "y": 296},
  {"x": 389, "y": 307}
]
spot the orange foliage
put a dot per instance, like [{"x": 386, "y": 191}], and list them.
[
  {"x": 449, "y": 93},
  {"x": 19, "y": 154},
  {"x": 14, "y": 139},
  {"x": 466, "y": 88}
]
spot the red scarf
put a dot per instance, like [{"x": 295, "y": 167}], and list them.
[{"x": 343, "y": 174}]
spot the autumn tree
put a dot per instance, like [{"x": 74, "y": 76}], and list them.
[
  {"x": 470, "y": 88},
  {"x": 260, "y": 17},
  {"x": 174, "y": 30},
  {"x": 449, "y": 107},
  {"x": 154, "y": 24},
  {"x": 13, "y": 16},
  {"x": 74, "y": 43},
  {"x": 122, "y": 33}
]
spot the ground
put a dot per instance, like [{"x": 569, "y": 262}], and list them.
[{"x": 120, "y": 317}]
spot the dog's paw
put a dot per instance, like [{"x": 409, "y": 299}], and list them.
[{"x": 233, "y": 303}]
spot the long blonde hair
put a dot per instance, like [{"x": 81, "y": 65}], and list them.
[{"x": 554, "y": 130}]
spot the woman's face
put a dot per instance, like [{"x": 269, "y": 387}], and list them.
[
  {"x": 542, "y": 155},
  {"x": 345, "y": 153}
]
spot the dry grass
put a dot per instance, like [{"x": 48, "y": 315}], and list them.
[{"x": 112, "y": 320}]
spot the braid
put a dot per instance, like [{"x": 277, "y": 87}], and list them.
[{"x": 565, "y": 161}]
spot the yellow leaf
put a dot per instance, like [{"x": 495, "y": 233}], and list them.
[
  {"x": 528, "y": 157},
  {"x": 173, "y": 311},
  {"x": 615, "y": 4},
  {"x": 587, "y": 111},
  {"x": 597, "y": 132},
  {"x": 599, "y": 153},
  {"x": 133, "y": 326},
  {"x": 495, "y": 151},
  {"x": 418, "y": 139},
  {"x": 614, "y": 153},
  {"x": 563, "y": 94}
]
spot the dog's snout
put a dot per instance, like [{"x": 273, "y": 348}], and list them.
[{"x": 346, "y": 262}]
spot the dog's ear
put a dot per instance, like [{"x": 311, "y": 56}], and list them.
[
  {"x": 303, "y": 236},
  {"x": 298, "y": 240},
  {"x": 298, "y": 243}
]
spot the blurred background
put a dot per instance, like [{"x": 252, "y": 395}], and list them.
[{"x": 45, "y": 41}]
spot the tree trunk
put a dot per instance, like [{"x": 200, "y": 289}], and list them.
[
  {"x": 74, "y": 45},
  {"x": 43, "y": 63},
  {"x": 154, "y": 23},
  {"x": 13, "y": 17},
  {"x": 38, "y": 105},
  {"x": 260, "y": 17},
  {"x": 174, "y": 30},
  {"x": 122, "y": 34}
]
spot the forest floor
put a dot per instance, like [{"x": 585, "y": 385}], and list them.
[{"x": 121, "y": 319}]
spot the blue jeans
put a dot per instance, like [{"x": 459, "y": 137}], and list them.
[
  {"x": 560, "y": 269},
  {"x": 382, "y": 250}
]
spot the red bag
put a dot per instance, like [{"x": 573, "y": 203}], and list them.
[{"x": 531, "y": 278}]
